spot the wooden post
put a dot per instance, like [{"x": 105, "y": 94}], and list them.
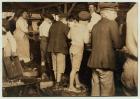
[
  {"x": 65, "y": 8},
  {"x": 70, "y": 10},
  {"x": 43, "y": 10},
  {"x": 59, "y": 9}
]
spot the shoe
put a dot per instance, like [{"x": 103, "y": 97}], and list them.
[
  {"x": 57, "y": 85},
  {"x": 64, "y": 81},
  {"x": 74, "y": 90},
  {"x": 80, "y": 87},
  {"x": 44, "y": 77}
]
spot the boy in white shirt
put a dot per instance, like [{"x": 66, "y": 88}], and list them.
[
  {"x": 79, "y": 35},
  {"x": 94, "y": 16},
  {"x": 44, "y": 33}
]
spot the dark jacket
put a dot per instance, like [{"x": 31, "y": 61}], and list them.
[
  {"x": 105, "y": 39},
  {"x": 57, "y": 42},
  {"x": 12, "y": 25}
]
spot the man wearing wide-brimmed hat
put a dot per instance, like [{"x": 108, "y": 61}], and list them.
[{"x": 105, "y": 39}]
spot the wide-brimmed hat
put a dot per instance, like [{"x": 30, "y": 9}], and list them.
[{"x": 108, "y": 5}]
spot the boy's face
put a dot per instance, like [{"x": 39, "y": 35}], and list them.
[
  {"x": 24, "y": 15},
  {"x": 71, "y": 23},
  {"x": 64, "y": 20},
  {"x": 57, "y": 18}
]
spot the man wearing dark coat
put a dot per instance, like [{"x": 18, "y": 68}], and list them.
[
  {"x": 57, "y": 45},
  {"x": 12, "y": 24},
  {"x": 105, "y": 39}
]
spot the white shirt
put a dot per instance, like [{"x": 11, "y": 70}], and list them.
[
  {"x": 132, "y": 30},
  {"x": 8, "y": 43},
  {"x": 22, "y": 24},
  {"x": 94, "y": 19},
  {"x": 79, "y": 34},
  {"x": 44, "y": 28}
]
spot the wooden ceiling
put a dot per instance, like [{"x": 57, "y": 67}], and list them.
[{"x": 54, "y": 7}]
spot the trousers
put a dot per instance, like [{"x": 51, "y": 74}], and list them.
[
  {"x": 76, "y": 55},
  {"x": 58, "y": 60},
  {"x": 102, "y": 83},
  {"x": 129, "y": 77}
]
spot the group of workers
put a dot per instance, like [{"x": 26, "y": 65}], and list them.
[{"x": 100, "y": 30}]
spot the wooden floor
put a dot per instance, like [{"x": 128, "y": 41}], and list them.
[{"x": 84, "y": 76}]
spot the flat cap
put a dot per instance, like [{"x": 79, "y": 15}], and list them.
[
  {"x": 62, "y": 15},
  {"x": 112, "y": 5},
  {"x": 84, "y": 15},
  {"x": 49, "y": 16}
]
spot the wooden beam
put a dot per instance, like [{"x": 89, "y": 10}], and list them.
[
  {"x": 65, "y": 8},
  {"x": 70, "y": 10},
  {"x": 47, "y": 6},
  {"x": 43, "y": 10},
  {"x": 59, "y": 9}
]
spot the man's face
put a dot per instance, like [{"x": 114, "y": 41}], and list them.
[
  {"x": 24, "y": 15},
  {"x": 110, "y": 14},
  {"x": 91, "y": 8},
  {"x": 64, "y": 20},
  {"x": 47, "y": 20}
]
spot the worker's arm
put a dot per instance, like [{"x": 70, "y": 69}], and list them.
[{"x": 22, "y": 25}]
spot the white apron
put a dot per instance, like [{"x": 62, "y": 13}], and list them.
[{"x": 22, "y": 39}]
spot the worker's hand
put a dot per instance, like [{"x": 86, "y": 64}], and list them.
[
  {"x": 26, "y": 36},
  {"x": 124, "y": 49},
  {"x": 14, "y": 54}
]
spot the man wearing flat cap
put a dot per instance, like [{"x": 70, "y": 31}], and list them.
[
  {"x": 57, "y": 45},
  {"x": 79, "y": 35},
  {"x": 105, "y": 39}
]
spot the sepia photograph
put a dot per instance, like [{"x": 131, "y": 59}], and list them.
[{"x": 69, "y": 49}]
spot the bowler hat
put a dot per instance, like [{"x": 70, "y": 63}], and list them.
[{"x": 84, "y": 15}]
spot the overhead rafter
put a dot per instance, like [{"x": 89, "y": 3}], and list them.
[
  {"x": 65, "y": 8},
  {"x": 47, "y": 6},
  {"x": 70, "y": 10},
  {"x": 59, "y": 9}
]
